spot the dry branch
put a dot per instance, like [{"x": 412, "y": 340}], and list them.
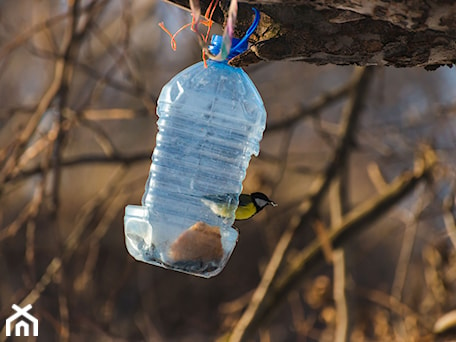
[
  {"x": 85, "y": 159},
  {"x": 323, "y": 101},
  {"x": 99, "y": 206},
  {"x": 357, "y": 219}
]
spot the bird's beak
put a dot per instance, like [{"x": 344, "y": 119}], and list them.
[{"x": 274, "y": 204}]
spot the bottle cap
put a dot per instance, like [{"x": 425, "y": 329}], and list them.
[{"x": 238, "y": 46}]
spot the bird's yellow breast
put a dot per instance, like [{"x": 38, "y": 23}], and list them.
[{"x": 246, "y": 211}]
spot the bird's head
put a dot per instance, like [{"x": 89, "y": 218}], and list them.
[{"x": 261, "y": 200}]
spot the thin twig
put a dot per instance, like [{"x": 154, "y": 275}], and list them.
[
  {"x": 86, "y": 159},
  {"x": 410, "y": 219},
  {"x": 68, "y": 42},
  {"x": 449, "y": 218},
  {"x": 93, "y": 240},
  {"x": 102, "y": 138},
  {"x": 337, "y": 209},
  {"x": 135, "y": 90},
  {"x": 64, "y": 326},
  {"x": 376, "y": 177},
  {"x": 29, "y": 213},
  {"x": 30, "y": 249},
  {"x": 316, "y": 106},
  {"x": 112, "y": 114},
  {"x": 340, "y": 299}
]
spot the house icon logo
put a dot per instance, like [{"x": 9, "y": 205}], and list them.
[{"x": 22, "y": 324}]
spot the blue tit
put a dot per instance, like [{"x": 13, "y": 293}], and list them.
[{"x": 249, "y": 205}]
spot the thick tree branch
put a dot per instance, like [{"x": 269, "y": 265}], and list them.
[{"x": 401, "y": 34}]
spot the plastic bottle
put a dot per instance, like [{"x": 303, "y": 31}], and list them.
[{"x": 211, "y": 121}]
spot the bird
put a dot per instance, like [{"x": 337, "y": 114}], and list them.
[{"x": 249, "y": 204}]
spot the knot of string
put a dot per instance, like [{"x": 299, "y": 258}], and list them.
[{"x": 224, "y": 48}]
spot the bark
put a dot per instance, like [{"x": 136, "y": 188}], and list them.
[{"x": 375, "y": 32}]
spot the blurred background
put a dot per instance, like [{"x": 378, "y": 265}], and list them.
[{"x": 77, "y": 129}]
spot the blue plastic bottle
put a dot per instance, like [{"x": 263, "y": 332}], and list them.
[{"x": 211, "y": 121}]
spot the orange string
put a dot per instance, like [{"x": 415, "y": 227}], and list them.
[
  {"x": 208, "y": 15},
  {"x": 207, "y": 21},
  {"x": 172, "y": 36}
]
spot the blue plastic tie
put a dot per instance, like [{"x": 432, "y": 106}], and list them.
[{"x": 238, "y": 45}]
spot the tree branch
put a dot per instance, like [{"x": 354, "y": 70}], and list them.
[
  {"x": 353, "y": 222},
  {"x": 401, "y": 34},
  {"x": 85, "y": 159}
]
